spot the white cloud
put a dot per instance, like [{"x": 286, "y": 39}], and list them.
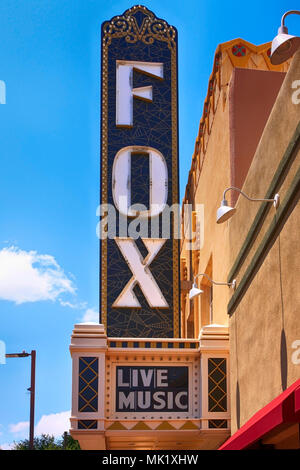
[
  {"x": 19, "y": 427},
  {"x": 26, "y": 276},
  {"x": 6, "y": 446},
  {"x": 79, "y": 306},
  {"x": 90, "y": 315},
  {"x": 54, "y": 424}
]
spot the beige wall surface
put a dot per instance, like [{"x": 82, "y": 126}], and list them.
[
  {"x": 222, "y": 135},
  {"x": 265, "y": 323},
  {"x": 252, "y": 96},
  {"x": 215, "y": 176}
]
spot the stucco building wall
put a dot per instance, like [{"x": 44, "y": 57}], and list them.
[
  {"x": 241, "y": 94},
  {"x": 252, "y": 95},
  {"x": 265, "y": 260}
]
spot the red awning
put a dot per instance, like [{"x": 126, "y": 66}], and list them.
[
  {"x": 283, "y": 409},
  {"x": 297, "y": 399}
]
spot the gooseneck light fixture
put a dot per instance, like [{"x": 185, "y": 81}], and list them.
[
  {"x": 284, "y": 45},
  {"x": 225, "y": 211},
  {"x": 195, "y": 291}
]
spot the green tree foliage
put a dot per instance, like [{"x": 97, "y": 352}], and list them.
[{"x": 47, "y": 442}]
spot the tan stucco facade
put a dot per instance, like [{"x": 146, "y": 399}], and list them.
[
  {"x": 215, "y": 166},
  {"x": 259, "y": 246},
  {"x": 265, "y": 323}
]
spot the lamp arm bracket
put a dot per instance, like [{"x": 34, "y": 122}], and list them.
[
  {"x": 291, "y": 12},
  {"x": 214, "y": 282},
  {"x": 283, "y": 28},
  {"x": 233, "y": 188}
]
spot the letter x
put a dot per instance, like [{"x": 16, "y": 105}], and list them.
[{"x": 141, "y": 273}]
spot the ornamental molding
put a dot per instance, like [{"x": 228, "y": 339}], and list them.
[{"x": 139, "y": 24}]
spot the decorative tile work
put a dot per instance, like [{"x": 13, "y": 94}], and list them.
[
  {"x": 87, "y": 424},
  {"x": 149, "y": 426},
  {"x": 117, "y": 426},
  {"x": 165, "y": 426},
  {"x": 188, "y": 426},
  {"x": 139, "y": 35},
  {"x": 141, "y": 426},
  {"x": 217, "y": 385},
  {"x": 217, "y": 423},
  {"x": 153, "y": 345},
  {"x": 239, "y": 50},
  {"x": 88, "y": 385}
]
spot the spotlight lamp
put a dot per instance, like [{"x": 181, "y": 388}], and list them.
[
  {"x": 195, "y": 291},
  {"x": 225, "y": 211},
  {"x": 284, "y": 45}
]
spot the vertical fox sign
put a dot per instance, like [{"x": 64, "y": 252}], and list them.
[{"x": 139, "y": 281}]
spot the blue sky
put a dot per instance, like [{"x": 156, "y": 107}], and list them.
[{"x": 49, "y": 178}]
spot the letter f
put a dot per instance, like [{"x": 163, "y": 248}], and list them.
[{"x": 126, "y": 92}]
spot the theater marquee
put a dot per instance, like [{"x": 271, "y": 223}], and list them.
[
  {"x": 139, "y": 280},
  {"x": 154, "y": 389}
]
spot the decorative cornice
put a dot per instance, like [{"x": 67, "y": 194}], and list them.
[{"x": 149, "y": 29}]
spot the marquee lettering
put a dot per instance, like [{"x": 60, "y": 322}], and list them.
[
  {"x": 152, "y": 388},
  {"x": 121, "y": 182},
  {"x": 139, "y": 178},
  {"x": 141, "y": 273},
  {"x": 125, "y": 91}
]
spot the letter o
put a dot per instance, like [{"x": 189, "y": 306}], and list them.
[{"x": 121, "y": 181}]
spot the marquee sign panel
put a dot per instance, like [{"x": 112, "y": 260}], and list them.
[
  {"x": 152, "y": 389},
  {"x": 139, "y": 280}
]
